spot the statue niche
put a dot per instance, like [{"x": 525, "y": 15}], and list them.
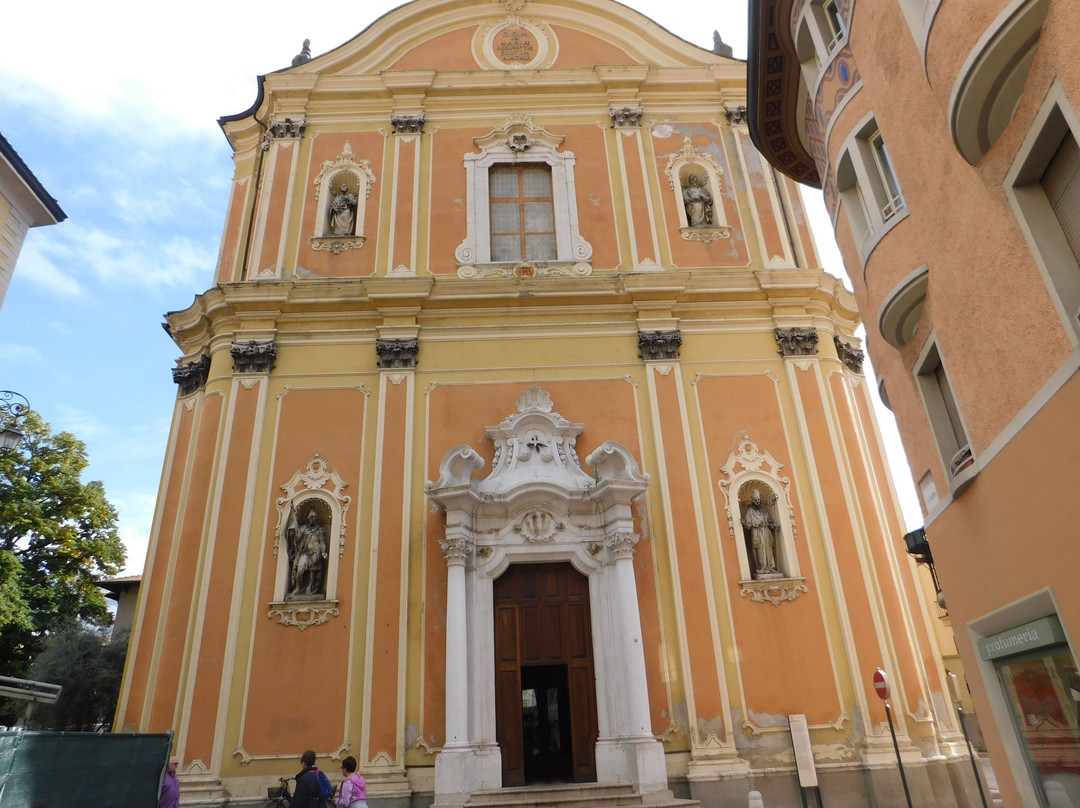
[
  {"x": 757, "y": 503},
  {"x": 697, "y": 198},
  {"x": 341, "y": 210},
  {"x": 308, "y": 547}
]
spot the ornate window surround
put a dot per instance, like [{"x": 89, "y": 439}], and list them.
[
  {"x": 747, "y": 464},
  {"x": 320, "y": 483},
  {"x": 324, "y": 183},
  {"x": 688, "y": 160},
  {"x": 521, "y": 141}
]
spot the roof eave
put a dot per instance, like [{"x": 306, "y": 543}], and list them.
[{"x": 773, "y": 117}]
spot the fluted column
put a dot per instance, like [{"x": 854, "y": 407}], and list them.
[{"x": 456, "y": 552}]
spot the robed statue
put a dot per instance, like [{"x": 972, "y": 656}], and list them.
[{"x": 307, "y": 556}]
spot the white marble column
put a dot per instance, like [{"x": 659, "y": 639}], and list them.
[
  {"x": 621, "y": 547},
  {"x": 456, "y": 552}
]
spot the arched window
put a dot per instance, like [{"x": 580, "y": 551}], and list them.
[{"x": 521, "y": 206}]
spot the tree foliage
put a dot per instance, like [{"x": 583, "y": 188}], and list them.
[
  {"x": 89, "y": 666},
  {"x": 58, "y": 537}
]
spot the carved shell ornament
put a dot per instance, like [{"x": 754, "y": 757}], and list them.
[{"x": 538, "y": 526}]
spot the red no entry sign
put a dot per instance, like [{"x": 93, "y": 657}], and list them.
[{"x": 881, "y": 683}]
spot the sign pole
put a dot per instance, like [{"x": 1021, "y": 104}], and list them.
[
  {"x": 881, "y": 686},
  {"x": 953, "y": 679}
]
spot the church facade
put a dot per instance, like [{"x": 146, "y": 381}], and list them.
[{"x": 521, "y": 441}]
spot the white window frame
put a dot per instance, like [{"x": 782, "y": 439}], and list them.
[
  {"x": 1058, "y": 265},
  {"x": 869, "y": 186},
  {"x": 950, "y": 432},
  {"x": 517, "y": 143}
]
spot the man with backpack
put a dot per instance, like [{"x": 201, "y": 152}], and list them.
[{"x": 312, "y": 786}]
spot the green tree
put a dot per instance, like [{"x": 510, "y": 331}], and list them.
[
  {"x": 58, "y": 537},
  {"x": 88, "y": 664}
]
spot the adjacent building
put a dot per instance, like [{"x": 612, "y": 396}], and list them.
[
  {"x": 943, "y": 135},
  {"x": 522, "y": 443},
  {"x": 24, "y": 203}
]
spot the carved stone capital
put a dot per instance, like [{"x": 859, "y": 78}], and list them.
[
  {"x": 407, "y": 124},
  {"x": 851, "y": 357},
  {"x": 621, "y": 545},
  {"x": 659, "y": 345},
  {"x": 253, "y": 357},
  {"x": 797, "y": 341},
  {"x": 397, "y": 353},
  {"x": 736, "y": 115},
  {"x": 456, "y": 551},
  {"x": 625, "y": 117},
  {"x": 192, "y": 376},
  {"x": 287, "y": 128}
]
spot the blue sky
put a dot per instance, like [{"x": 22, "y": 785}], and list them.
[{"x": 114, "y": 106}]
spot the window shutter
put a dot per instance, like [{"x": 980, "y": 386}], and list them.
[{"x": 1061, "y": 182}]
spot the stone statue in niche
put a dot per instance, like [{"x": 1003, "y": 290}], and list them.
[
  {"x": 761, "y": 532},
  {"x": 698, "y": 201},
  {"x": 308, "y": 548},
  {"x": 343, "y": 212}
]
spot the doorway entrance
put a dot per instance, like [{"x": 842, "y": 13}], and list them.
[{"x": 545, "y": 696}]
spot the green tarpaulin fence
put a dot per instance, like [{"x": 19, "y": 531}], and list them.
[{"x": 105, "y": 770}]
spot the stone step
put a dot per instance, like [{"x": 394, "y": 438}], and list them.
[{"x": 577, "y": 795}]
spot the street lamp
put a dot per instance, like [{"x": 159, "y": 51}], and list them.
[{"x": 14, "y": 407}]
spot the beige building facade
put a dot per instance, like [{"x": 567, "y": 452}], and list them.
[
  {"x": 943, "y": 134},
  {"x": 522, "y": 443},
  {"x": 24, "y": 203}
]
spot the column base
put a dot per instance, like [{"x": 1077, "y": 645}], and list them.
[
  {"x": 461, "y": 770},
  {"x": 639, "y": 761}
]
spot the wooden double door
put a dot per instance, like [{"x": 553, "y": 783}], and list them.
[{"x": 545, "y": 691}]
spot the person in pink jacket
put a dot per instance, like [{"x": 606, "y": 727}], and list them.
[{"x": 353, "y": 791}]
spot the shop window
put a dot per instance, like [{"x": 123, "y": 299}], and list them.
[
  {"x": 1044, "y": 188},
  {"x": 1038, "y": 675},
  {"x": 946, "y": 422}
]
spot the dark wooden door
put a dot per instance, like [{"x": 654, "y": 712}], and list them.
[{"x": 545, "y": 690}]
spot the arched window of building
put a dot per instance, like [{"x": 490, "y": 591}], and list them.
[{"x": 521, "y": 204}]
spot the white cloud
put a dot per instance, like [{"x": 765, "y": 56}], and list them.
[
  {"x": 36, "y": 265},
  {"x": 11, "y": 354}
]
